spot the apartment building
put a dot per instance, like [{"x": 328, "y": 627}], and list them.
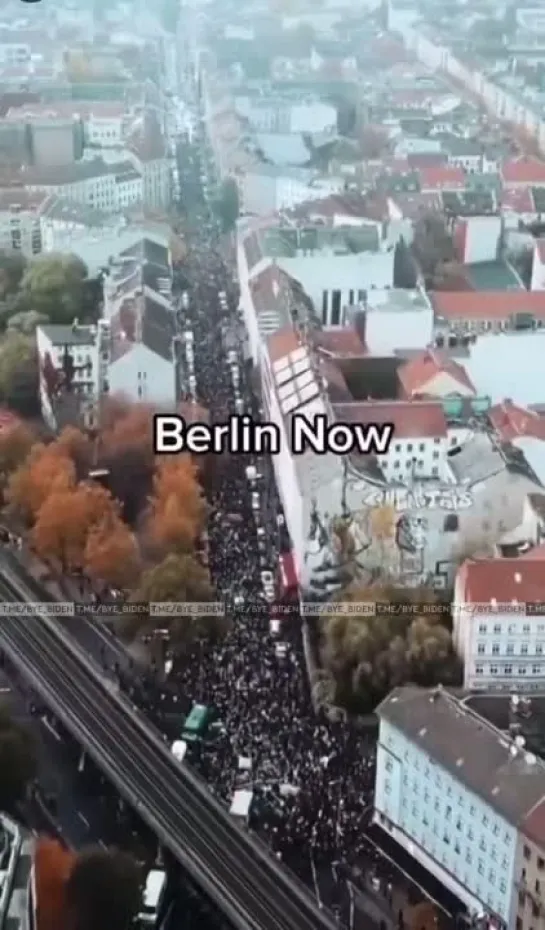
[
  {"x": 20, "y": 229},
  {"x": 69, "y": 360},
  {"x": 141, "y": 354},
  {"x": 502, "y": 646},
  {"x": 464, "y": 800},
  {"x": 93, "y": 235},
  {"x": 107, "y": 187}
]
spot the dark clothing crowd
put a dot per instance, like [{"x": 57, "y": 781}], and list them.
[{"x": 312, "y": 779}]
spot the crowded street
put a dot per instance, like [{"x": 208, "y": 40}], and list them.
[{"x": 311, "y": 779}]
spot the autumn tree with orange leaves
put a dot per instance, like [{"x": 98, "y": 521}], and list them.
[
  {"x": 178, "y": 509},
  {"x": 15, "y": 445},
  {"x": 111, "y": 555},
  {"x": 66, "y": 520},
  {"x": 53, "y": 865},
  {"x": 47, "y": 470}
]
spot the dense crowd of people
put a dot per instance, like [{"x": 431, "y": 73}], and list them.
[{"x": 312, "y": 779}]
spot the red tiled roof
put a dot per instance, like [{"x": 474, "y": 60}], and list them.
[
  {"x": 510, "y": 421},
  {"x": 529, "y": 171},
  {"x": 487, "y": 305},
  {"x": 413, "y": 205},
  {"x": 16, "y": 98},
  {"x": 533, "y": 826},
  {"x": 503, "y": 580},
  {"x": 351, "y": 203},
  {"x": 411, "y": 419},
  {"x": 282, "y": 343},
  {"x": 538, "y": 552},
  {"x": 540, "y": 246},
  {"x": 21, "y": 199},
  {"x": 517, "y": 200},
  {"x": 8, "y": 420},
  {"x": 417, "y": 373},
  {"x": 341, "y": 342},
  {"x": 442, "y": 178}
]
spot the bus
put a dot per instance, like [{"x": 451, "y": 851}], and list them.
[
  {"x": 153, "y": 897},
  {"x": 196, "y": 723}
]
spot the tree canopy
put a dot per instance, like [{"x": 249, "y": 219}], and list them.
[
  {"x": 228, "y": 204},
  {"x": 103, "y": 882},
  {"x": 19, "y": 378},
  {"x": 147, "y": 545},
  {"x": 17, "y": 760},
  {"x": 54, "y": 286},
  {"x": 369, "y": 655}
]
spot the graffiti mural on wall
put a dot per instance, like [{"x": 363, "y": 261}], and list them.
[
  {"x": 417, "y": 498},
  {"x": 387, "y": 532}
]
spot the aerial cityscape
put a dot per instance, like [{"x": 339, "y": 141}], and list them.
[{"x": 272, "y": 465}]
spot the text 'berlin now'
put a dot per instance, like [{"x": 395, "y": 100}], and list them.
[{"x": 241, "y": 434}]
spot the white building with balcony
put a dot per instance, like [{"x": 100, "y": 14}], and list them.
[
  {"x": 501, "y": 644},
  {"x": 76, "y": 348}
]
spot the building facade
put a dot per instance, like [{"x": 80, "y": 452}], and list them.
[
  {"x": 451, "y": 812},
  {"x": 501, "y": 645}
]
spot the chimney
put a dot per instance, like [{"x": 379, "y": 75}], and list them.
[{"x": 360, "y": 325}]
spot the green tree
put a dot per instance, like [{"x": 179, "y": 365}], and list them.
[
  {"x": 12, "y": 269},
  {"x": 182, "y": 579},
  {"x": 368, "y": 655},
  {"x": 17, "y": 760},
  {"x": 228, "y": 204},
  {"x": 19, "y": 374},
  {"x": 55, "y": 286},
  {"x": 103, "y": 882},
  {"x": 26, "y": 322}
]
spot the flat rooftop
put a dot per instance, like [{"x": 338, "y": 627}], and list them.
[
  {"x": 295, "y": 241},
  {"x": 493, "y": 276}
]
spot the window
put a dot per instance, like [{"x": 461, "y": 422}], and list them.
[
  {"x": 324, "y": 307},
  {"x": 335, "y": 308},
  {"x": 493, "y": 669},
  {"x": 526, "y": 629},
  {"x": 435, "y": 455},
  {"x": 422, "y": 447},
  {"x": 539, "y": 649},
  {"x": 480, "y": 649},
  {"x": 524, "y": 649},
  {"x": 526, "y": 852},
  {"x": 351, "y": 297},
  {"x": 495, "y": 649},
  {"x": 479, "y": 670},
  {"x": 497, "y": 628},
  {"x": 540, "y": 863},
  {"x": 409, "y": 447},
  {"x": 507, "y": 669},
  {"x": 510, "y": 649},
  {"x": 482, "y": 627}
]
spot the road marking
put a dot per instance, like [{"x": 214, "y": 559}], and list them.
[
  {"x": 83, "y": 819},
  {"x": 49, "y": 726}
]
